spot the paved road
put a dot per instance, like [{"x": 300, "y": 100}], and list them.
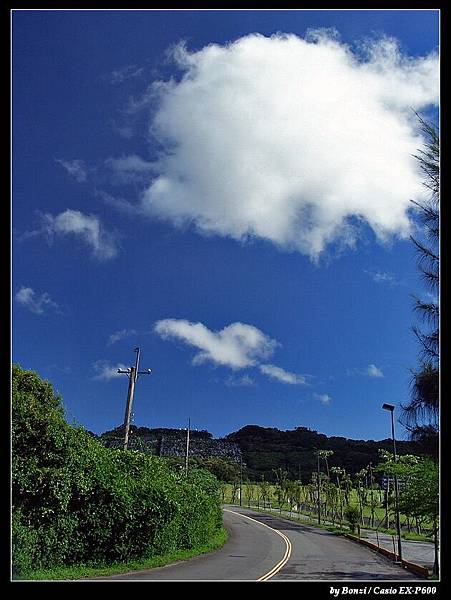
[
  {"x": 420, "y": 553},
  {"x": 266, "y": 547},
  {"x": 251, "y": 552},
  {"x": 320, "y": 555}
]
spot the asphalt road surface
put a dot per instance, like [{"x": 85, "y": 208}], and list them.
[{"x": 263, "y": 547}]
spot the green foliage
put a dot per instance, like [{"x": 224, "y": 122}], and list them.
[
  {"x": 222, "y": 469},
  {"x": 419, "y": 478},
  {"x": 421, "y": 413},
  {"x": 352, "y": 516},
  {"x": 75, "y": 501},
  {"x": 266, "y": 450}
]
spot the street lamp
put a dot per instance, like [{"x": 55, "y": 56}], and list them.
[
  {"x": 391, "y": 409},
  {"x": 241, "y": 476}
]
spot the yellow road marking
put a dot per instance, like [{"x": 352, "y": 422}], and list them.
[{"x": 286, "y": 556}]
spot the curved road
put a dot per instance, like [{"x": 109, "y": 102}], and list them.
[{"x": 263, "y": 547}]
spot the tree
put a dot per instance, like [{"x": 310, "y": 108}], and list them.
[
  {"x": 419, "y": 495},
  {"x": 421, "y": 413},
  {"x": 340, "y": 474},
  {"x": 352, "y": 514},
  {"x": 281, "y": 491},
  {"x": 324, "y": 455},
  {"x": 361, "y": 492},
  {"x": 75, "y": 501},
  {"x": 249, "y": 491},
  {"x": 264, "y": 490}
]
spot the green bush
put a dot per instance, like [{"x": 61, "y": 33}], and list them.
[
  {"x": 352, "y": 516},
  {"x": 75, "y": 501}
]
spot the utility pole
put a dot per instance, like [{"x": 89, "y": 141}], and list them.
[
  {"x": 132, "y": 373},
  {"x": 319, "y": 489},
  {"x": 390, "y": 408},
  {"x": 241, "y": 476},
  {"x": 187, "y": 447},
  {"x": 372, "y": 497}
]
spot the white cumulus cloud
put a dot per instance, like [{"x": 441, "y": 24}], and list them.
[
  {"x": 282, "y": 375},
  {"x": 295, "y": 141},
  {"x": 237, "y": 346}
]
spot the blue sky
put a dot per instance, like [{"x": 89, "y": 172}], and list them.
[{"x": 236, "y": 205}]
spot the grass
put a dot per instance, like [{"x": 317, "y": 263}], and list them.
[
  {"x": 379, "y": 511},
  {"x": 84, "y": 571},
  {"x": 414, "y": 537}
]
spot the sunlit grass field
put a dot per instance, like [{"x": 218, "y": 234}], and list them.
[{"x": 251, "y": 497}]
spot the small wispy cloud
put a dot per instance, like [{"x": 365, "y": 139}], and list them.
[
  {"x": 370, "y": 371},
  {"x": 88, "y": 228},
  {"x": 373, "y": 371},
  {"x": 130, "y": 163},
  {"x": 37, "y": 304},
  {"x": 244, "y": 381},
  {"x": 128, "y": 170},
  {"x": 119, "y": 335},
  {"x": 281, "y": 375},
  {"x": 106, "y": 371},
  {"x": 121, "y": 205},
  {"x": 379, "y": 276},
  {"x": 76, "y": 168},
  {"x": 323, "y": 398},
  {"x": 125, "y": 73}
]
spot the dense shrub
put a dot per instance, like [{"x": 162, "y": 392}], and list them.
[
  {"x": 352, "y": 516},
  {"x": 75, "y": 501}
]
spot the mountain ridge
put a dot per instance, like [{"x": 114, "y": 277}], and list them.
[{"x": 262, "y": 450}]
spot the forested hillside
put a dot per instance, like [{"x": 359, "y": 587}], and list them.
[
  {"x": 268, "y": 448},
  {"x": 262, "y": 449}
]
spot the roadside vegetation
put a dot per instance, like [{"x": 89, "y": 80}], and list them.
[
  {"x": 82, "y": 571},
  {"x": 366, "y": 500},
  {"x": 75, "y": 502}
]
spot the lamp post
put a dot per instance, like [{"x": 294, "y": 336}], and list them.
[
  {"x": 391, "y": 409},
  {"x": 241, "y": 477},
  {"x": 318, "y": 483}
]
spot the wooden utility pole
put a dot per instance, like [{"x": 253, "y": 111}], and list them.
[{"x": 132, "y": 373}]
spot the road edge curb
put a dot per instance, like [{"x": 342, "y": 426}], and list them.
[{"x": 410, "y": 566}]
